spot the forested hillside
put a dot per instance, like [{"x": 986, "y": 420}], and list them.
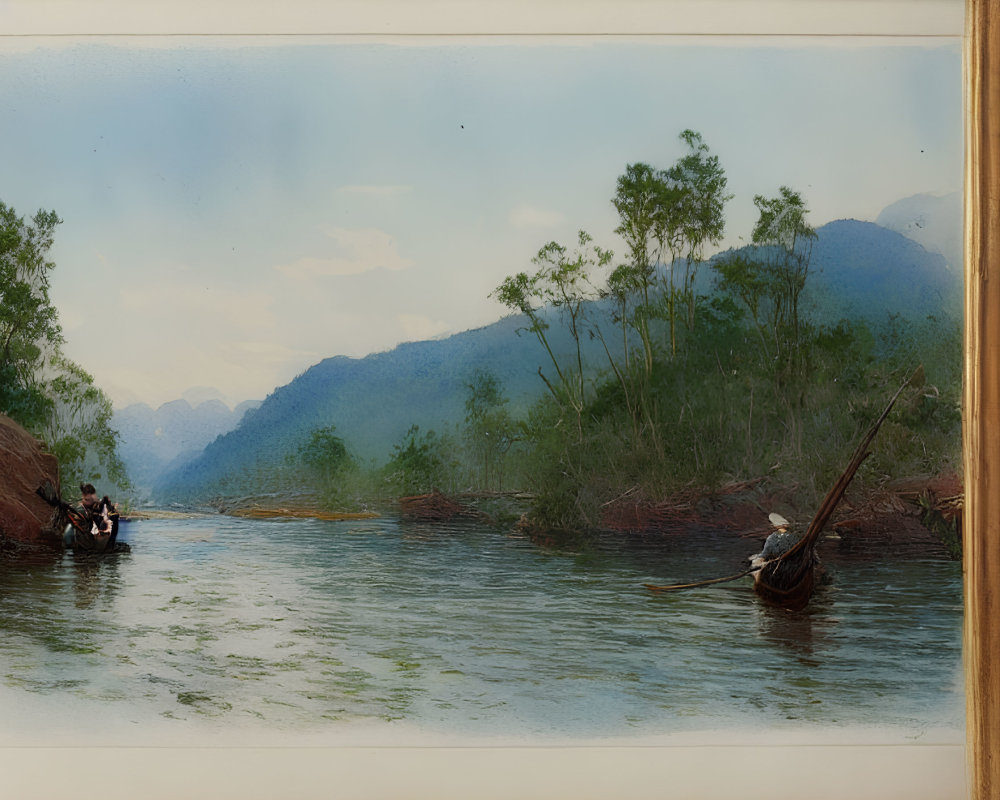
[
  {"x": 637, "y": 373},
  {"x": 860, "y": 271}
]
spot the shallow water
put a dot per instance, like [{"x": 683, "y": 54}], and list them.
[{"x": 225, "y": 624}]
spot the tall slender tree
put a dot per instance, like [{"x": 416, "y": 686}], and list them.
[
  {"x": 489, "y": 428},
  {"x": 645, "y": 203},
  {"x": 700, "y": 182},
  {"x": 786, "y": 240},
  {"x": 666, "y": 218},
  {"x": 562, "y": 281}
]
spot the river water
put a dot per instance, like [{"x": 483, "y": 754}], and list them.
[{"x": 216, "y": 627}]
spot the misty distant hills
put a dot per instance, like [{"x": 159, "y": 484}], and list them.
[
  {"x": 197, "y": 395},
  {"x": 859, "y": 270},
  {"x": 156, "y": 441},
  {"x": 933, "y": 221},
  {"x": 373, "y": 401},
  {"x": 862, "y": 270}
]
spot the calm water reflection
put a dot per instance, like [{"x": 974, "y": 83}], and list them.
[{"x": 301, "y": 625}]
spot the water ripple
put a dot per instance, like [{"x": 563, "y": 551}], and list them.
[{"x": 467, "y": 628}]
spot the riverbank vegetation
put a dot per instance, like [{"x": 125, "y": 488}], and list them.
[
  {"x": 676, "y": 373},
  {"x": 51, "y": 396},
  {"x": 740, "y": 382}
]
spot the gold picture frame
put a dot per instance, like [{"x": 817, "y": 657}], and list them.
[{"x": 981, "y": 439}]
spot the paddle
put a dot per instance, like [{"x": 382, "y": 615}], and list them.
[{"x": 77, "y": 520}]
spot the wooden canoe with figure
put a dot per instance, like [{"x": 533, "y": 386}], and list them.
[
  {"x": 94, "y": 533},
  {"x": 788, "y": 583},
  {"x": 98, "y": 535},
  {"x": 785, "y": 582},
  {"x": 788, "y": 580}
]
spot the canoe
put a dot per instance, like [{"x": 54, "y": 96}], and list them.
[
  {"x": 788, "y": 583},
  {"x": 84, "y": 540},
  {"x": 789, "y": 580},
  {"x": 79, "y": 532}
]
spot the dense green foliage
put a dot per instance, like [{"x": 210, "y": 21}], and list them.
[
  {"x": 328, "y": 466},
  {"x": 751, "y": 385},
  {"x": 490, "y": 431},
  {"x": 29, "y": 323},
  {"x": 420, "y": 462},
  {"x": 326, "y": 453},
  {"x": 51, "y": 396}
]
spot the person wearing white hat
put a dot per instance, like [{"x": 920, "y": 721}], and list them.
[{"x": 778, "y": 543}]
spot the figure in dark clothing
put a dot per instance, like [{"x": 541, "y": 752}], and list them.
[
  {"x": 93, "y": 510},
  {"x": 101, "y": 514},
  {"x": 778, "y": 543},
  {"x": 775, "y": 546},
  {"x": 94, "y": 521}
]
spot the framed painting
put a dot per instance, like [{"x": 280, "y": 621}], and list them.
[{"x": 444, "y": 343}]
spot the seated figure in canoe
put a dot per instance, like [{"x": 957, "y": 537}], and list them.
[
  {"x": 94, "y": 522},
  {"x": 780, "y": 576},
  {"x": 779, "y": 542}
]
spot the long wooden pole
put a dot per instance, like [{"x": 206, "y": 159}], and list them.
[{"x": 981, "y": 430}]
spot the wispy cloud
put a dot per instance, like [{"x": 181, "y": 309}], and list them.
[
  {"x": 358, "y": 250},
  {"x": 205, "y": 309},
  {"x": 247, "y": 368},
  {"x": 524, "y": 216},
  {"x": 261, "y": 354}
]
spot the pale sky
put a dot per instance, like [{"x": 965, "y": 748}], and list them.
[{"x": 236, "y": 210}]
